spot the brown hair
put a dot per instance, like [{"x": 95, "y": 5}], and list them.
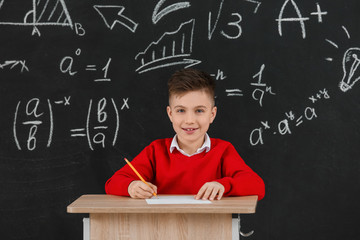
[{"x": 186, "y": 80}]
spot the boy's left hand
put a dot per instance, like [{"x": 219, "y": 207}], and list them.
[{"x": 210, "y": 190}]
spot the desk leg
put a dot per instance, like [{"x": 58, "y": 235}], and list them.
[{"x": 160, "y": 226}]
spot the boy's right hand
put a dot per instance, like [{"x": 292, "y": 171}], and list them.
[{"x": 138, "y": 189}]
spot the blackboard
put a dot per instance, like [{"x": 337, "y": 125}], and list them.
[{"x": 83, "y": 84}]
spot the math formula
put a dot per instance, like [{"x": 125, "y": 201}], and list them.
[{"x": 34, "y": 119}]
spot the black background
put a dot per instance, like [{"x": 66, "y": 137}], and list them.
[{"x": 311, "y": 171}]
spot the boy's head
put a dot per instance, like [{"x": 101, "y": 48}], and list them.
[
  {"x": 191, "y": 106},
  {"x": 187, "y": 80}
]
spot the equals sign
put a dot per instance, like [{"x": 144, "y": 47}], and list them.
[
  {"x": 79, "y": 132},
  {"x": 234, "y": 92},
  {"x": 299, "y": 121},
  {"x": 90, "y": 68}
]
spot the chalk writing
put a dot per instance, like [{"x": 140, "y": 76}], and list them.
[
  {"x": 79, "y": 29},
  {"x": 33, "y": 120},
  {"x": 66, "y": 64},
  {"x": 284, "y": 126},
  {"x": 105, "y": 69},
  {"x": 236, "y": 24},
  {"x": 13, "y": 63},
  {"x": 257, "y": 4},
  {"x": 322, "y": 94},
  {"x": 219, "y": 75},
  {"x": 319, "y": 13},
  {"x": 66, "y": 67},
  {"x": 261, "y": 88},
  {"x": 96, "y": 131},
  {"x": 65, "y": 101},
  {"x": 299, "y": 18}
]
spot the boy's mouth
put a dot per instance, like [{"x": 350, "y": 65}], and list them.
[{"x": 189, "y": 129}]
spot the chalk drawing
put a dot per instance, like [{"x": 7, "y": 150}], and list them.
[
  {"x": 172, "y": 48},
  {"x": 113, "y": 14},
  {"x": 350, "y": 64},
  {"x": 332, "y": 43},
  {"x": 346, "y": 31},
  {"x": 44, "y": 13},
  {"x": 157, "y": 15}
]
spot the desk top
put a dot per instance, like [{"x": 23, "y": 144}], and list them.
[{"x": 118, "y": 204}]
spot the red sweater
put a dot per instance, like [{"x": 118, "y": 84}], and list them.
[{"x": 175, "y": 173}]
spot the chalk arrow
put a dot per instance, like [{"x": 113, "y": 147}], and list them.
[{"x": 112, "y": 14}]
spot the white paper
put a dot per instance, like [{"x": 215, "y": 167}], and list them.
[{"x": 176, "y": 199}]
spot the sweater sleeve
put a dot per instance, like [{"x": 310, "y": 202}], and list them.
[
  {"x": 118, "y": 184},
  {"x": 238, "y": 178}
]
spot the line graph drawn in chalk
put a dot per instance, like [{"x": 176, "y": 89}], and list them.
[
  {"x": 172, "y": 48},
  {"x": 37, "y": 13}
]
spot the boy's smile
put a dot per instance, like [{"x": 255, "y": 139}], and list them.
[
  {"x": 190, "y": 130},
  {"x": 191, "y": 114}
]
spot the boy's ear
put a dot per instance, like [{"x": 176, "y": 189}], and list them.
[
  {"x": 213, "y": 114},
  {"x": 169, "y": 112}
]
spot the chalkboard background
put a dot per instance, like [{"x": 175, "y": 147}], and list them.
[{"x": 83, "y": 84}]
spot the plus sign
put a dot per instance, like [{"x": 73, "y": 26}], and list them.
[{"x": 319, "y": 13}]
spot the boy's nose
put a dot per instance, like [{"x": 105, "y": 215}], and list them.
[{"x": 189, "y": 118}]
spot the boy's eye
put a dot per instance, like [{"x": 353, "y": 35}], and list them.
[
  {"x": 180, "y": 110},
  {"x": 200, "y": 110}
]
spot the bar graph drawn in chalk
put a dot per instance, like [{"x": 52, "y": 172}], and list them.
[
  {"x": 35, "y": 13},
  {"x": 172, "y": 48}
]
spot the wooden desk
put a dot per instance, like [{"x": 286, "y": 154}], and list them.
[{"x": 115, "y": 217}]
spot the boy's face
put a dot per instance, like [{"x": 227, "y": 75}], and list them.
[{"x": 191, "y": 115}]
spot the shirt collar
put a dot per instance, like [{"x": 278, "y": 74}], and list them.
[{"x": 205, "y": 147}]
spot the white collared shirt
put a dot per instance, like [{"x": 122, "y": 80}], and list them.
[{"x": 205, "y": 147}]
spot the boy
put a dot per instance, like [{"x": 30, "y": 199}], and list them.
[{"x": 190, "y": 162}]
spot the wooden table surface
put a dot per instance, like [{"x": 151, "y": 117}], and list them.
[{"x": 103, "y": 203}]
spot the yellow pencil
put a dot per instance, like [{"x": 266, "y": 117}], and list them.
[{"x": 138, "y": 174}]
